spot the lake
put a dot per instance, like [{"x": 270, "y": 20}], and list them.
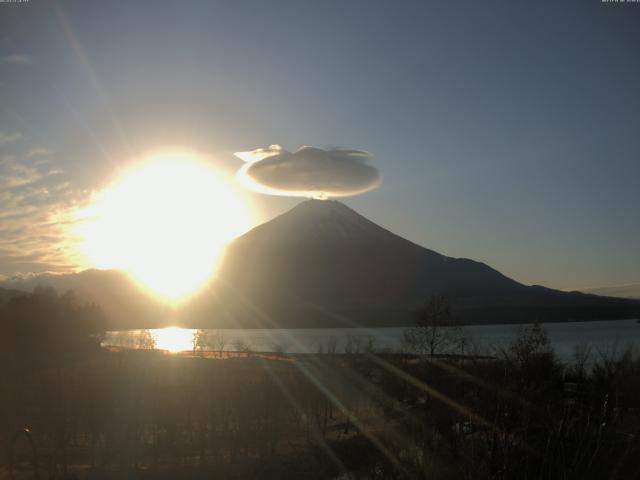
[{"x": 602, "y": 336}]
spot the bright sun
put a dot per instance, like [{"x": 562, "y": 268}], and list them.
[{"x": 165, "y": 222}]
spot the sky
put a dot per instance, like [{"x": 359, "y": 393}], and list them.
[{"x": 506, "y": 132}]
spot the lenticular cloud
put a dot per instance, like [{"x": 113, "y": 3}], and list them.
[{"x": 308, "y": 172}]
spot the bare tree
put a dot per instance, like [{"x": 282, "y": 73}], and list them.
[
  {"x": 241, "y": 346},
  {"x": 530, "y": 342},
  {"x": 200, "y": 340},
  {"x": 435, "y": 330},
  {"x": 217, "y": 342},
  {"x": 145, "y": 340},
  {"x": 580, "y": 359}
]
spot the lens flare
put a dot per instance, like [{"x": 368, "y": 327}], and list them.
[{"x": 166, "y": 222}]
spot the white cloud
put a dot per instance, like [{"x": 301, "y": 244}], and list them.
[
  {"x": 38, "y": 152},
  {"x": 16, "y": 175},
  {"x": 7, "y": 138},
  {"x": 17, "y": 59},
  {"x": 308, "y": 172},
  {"x": 37, "y": 204}
]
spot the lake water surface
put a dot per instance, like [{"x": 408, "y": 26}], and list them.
[{"x": 602, "y": 336}]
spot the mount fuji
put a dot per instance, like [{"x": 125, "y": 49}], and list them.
[{"x": 323, "y": 264}]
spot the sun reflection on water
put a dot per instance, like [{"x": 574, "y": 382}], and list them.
[{"x": 173, "y": 339}]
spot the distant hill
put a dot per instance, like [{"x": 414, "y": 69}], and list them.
[
  {"x": 321, "y": 264},
  {"x": 631, "y": 290},
  {"x": 123, "y": 303}
]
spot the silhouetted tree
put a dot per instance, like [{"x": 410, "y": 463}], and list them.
[
  {"x": 435, "y": 330},
  {"x": 199, "y": 340},
  {"x": 45, "y": 326},
  {"x": 217, "y": 342}
]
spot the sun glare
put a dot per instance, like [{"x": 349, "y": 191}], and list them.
[
  {"x": 166, "y": 223},
  {"x": 173, "y": 339}
]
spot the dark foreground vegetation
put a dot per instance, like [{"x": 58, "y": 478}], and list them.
[{"x": 365, "y": 414}]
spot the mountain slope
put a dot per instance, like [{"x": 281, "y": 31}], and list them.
[{"x": 322, "y": 264}]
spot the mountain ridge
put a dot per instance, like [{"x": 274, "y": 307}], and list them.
[
  {"x": 321, "y": 256},
  {"x": 321, "y": 264}
]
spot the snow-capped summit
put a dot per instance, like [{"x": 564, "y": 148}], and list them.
[{"x": 318, "y": 221}]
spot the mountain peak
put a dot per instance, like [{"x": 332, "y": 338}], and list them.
[
  {"x": 316, "y": 210},
  {"x": 318, "y": 220},
  {"x": 318, "y": 205}
]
